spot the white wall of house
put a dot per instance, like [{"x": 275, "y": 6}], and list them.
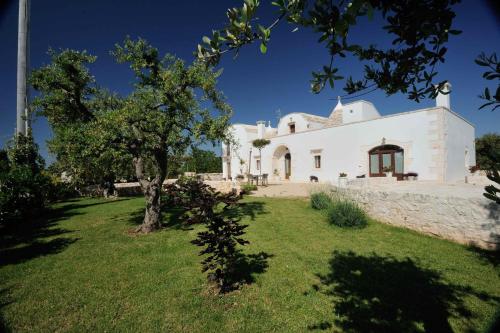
[
  {"x": 460, "y": 147},
  {"x": 297, "y": 119},
  {"x": 345, "y": 148},
  {"x": 435, "y": 142},
  {"x": 232, "y": 162}
]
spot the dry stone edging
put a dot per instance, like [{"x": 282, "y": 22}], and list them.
[{"x": 470, "y": 221}]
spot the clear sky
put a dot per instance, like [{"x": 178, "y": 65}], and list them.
[{"x": 256, "y": 85}]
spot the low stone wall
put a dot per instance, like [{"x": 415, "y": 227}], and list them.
[
  {"x": 224, "y": 186},
  {"x": 133, "y": 189},
  {"x": 210, "y": 176},
  {"x": 471, "y": 221}
]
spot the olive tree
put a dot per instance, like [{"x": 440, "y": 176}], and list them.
[
  {"x": 163, "y": 116},
  {"x": 155, "y": 123},
  {"x": 71, "y": 101}
]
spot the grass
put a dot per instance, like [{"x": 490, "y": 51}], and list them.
[{"x": 85, "y": 271}]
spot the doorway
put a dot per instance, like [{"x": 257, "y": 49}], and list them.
[{"x": 288, "y": 165}]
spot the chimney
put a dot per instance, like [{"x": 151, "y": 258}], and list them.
[
  {"x": 261, "y": 128},
  {"x": 443, "y": 100}
]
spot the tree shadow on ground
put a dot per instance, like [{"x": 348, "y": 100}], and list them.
[
  {"x": 489, "y": 257},
  {"x": 384, "y": 294},
  {"x": 173, "y": 216},
  {"x": 246, "y": 209},
  {"x": 23, "y": 240},
  {"x": 247, "y": 266},
  {"x": 4, "y": 302}
]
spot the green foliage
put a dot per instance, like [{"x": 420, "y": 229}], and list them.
[
  {"x": 202, "y": 204},
  {"x": 248, "y": 188},
  {"x": 346, "y": 213},
  {"x": 492, "y": 191},
  {"x": 24, "y": 189},
  {"x": 100, "y": 137},
  {"x": 420, "y": 30},
  {"x": 489, "y": 148},
  {"x": 493, "y": 73},
  {"x": 260, "y": 143},
  {"x": 72, "y": 103},
  {"x": 201, "y": 161},
  {"x": 320, "y": 200},
  {"x": 484, "y": 146}
]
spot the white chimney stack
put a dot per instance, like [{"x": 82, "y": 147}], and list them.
[
  {"x": 261, "y": 129},
  {"x": 443, "y": 100}
]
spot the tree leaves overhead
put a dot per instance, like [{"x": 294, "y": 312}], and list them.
[
  {"x": 493, "y": 73},
  {"x": 420, "y": 29}
]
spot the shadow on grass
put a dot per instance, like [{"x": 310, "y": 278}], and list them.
[
  {"x": 246, "y": 209},
  {"x": 487, "y": 256},
  {"x": 384, "y": 294},
  {"x": 247, "y": 266},
  {"x": 3, "y": 302},
  {"x": 173, "y": 216},
  {"x": 23, "y": 240}
]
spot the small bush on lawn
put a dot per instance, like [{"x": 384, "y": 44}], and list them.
[
  {"x": 248, "y": 188},
  {"x": 345, "y": 213},
  {"x": 320, "y": 200},
  {"x": 223, "y": 234}
]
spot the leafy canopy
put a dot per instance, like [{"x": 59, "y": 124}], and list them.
[
  {"x": 493, "y": 73},
  {"x": 420, "y": 30},
  {"x": 260, "y": 143},
  {"x": 71, "y": 101}
]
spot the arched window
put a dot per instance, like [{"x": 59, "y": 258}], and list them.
[{"x": 387, "y": 158}]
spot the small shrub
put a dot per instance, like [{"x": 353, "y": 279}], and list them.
[
  {"x": 345, "y": 213},
  {"x": 320, "y": 200},
  {"x": 248, "y": 188},
  {"x": 223, "y": 234}
]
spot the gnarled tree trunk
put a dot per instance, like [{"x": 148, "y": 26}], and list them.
[
  {"x": 152, "y": 194},
  {"x": 152, "y": 215}
]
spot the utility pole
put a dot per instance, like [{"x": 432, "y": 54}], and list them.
[{"x": 22, "y": 68}]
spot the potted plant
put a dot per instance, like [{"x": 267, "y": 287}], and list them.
[
  {"x": 276, "y": 174},
  {"x": 343, "y": 180},
  {"x": 387, "y": 171}
]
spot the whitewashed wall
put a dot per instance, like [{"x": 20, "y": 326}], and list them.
[
  {"x": 297, "y": 118},
  {"x": 460, "y": 147},
  {"x": 433, "y": 140}
]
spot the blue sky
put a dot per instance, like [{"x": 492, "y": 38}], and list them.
[{"x": 256, "y": 85}]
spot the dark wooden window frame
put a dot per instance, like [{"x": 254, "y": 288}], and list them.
[
  {"x": 385, "y": 149},
  {"x": 317, "y": 161}
]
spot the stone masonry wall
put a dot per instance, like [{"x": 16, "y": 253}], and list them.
[
  {"x": 133, "y": 189},
  {"x": 471, "y": 221}
]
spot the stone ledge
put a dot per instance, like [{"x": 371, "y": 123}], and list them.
[{"x": 470, "y": 221}]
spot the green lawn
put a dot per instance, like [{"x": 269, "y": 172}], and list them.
[{"x": 85, "y": 271}]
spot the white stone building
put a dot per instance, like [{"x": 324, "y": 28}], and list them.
[{"x": 355, "y": 139}]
